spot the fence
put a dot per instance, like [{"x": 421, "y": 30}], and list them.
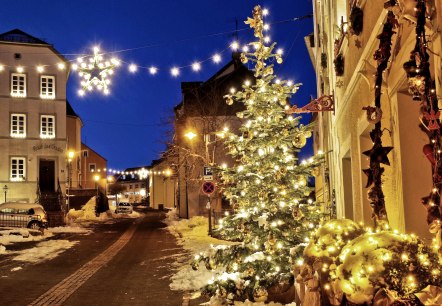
[{"x": 17, "y": 220}]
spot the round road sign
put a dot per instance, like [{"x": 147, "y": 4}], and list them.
[{"x": 208, "y": 188}]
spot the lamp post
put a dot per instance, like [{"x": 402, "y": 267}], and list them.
[
  {"x": 70, "y": 157},
  {"x": 5, "y": 189},
  {"x": 96, "y": 179},
  {"x": 190, "y": 135}
]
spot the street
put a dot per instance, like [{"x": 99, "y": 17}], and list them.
[{"x": 126, "y": 262}]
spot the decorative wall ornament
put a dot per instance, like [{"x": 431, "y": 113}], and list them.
[
  {"x": 374, "y": 114},
  {"x": 356, "y": 20},
  {"x": 339, "y": 65},
  {"x": 325, "y": 103}
]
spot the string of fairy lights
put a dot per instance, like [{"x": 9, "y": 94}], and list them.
[{"x": 95, "y": 70}]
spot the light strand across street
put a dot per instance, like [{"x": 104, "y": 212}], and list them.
[{"x": 95, "y": 70}]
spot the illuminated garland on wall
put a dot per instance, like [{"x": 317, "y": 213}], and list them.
[
  {"x": 421, "y": 86},
  {"x": 378, "y": 153}
]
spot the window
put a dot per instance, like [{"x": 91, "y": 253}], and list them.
[
  {"x": 92, "y": 167},
  {"x": 18, "y": 170},
  {"x": 130, "y": 186},
  {"x": 47, "y": 126},
  {"x": 18, "y": 85},
  {"x": 136, "y": 186},
  {"x": 47, "y": 87},
  {"x": 18, "y": 125}
]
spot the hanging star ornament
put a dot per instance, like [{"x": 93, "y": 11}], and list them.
[
  {"x": 371, "y": 173},
  {"x": 96, "y": 73},
  {"x": 379, "y": 154}
]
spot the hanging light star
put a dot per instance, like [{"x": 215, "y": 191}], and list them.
[{"x": 95, "y": 74}]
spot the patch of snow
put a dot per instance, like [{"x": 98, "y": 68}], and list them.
[
  {"x": 214, "y": 301},
  {"x": 192, "y": 235},
  {"x": 70, "y": 229},
  {"x": 11, "y": 236},
  {"x": 44, "y": 251},
  {"x": 16, "y": 269},
  {"x": 2, "y": 249}
]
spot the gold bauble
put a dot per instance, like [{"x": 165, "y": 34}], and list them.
[
  {"x": 260, "y": 294},
  {"x": 297, "y": 214},
  {"x": 244, "y": 58},
  {"x": 271, "y": 240},
  {"x": 229, "y": 100},
  {"x": 300, "y": 140},
  {"x": 316, "y": 171}
]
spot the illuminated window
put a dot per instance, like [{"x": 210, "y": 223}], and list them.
[
  {"x": 18, "y": 85},
  {"x": 18, "y": 125},
  {"x": 47, "y": 87},
  {"x": 47, "y": 126},
  {"x": 18, "y": 171},
  {"x": 92, "y": 167}
]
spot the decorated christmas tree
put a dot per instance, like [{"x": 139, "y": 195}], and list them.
[{"x": 274, "y": 210}]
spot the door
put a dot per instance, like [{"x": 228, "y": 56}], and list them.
[{"x": 47, "y": 175}]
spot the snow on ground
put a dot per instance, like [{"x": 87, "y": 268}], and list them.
[
  {"x": 86, "y": 215},
  {"x": 192, "y": 235},
  {"x": 47, "y": 249},
  {"x": 43, "y": 251}
]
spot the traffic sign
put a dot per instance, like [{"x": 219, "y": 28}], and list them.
[
  {"x": 208, "y": 173},
  {"x": 208, "y": 188}
]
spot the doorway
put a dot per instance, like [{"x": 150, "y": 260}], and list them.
[{"x": 47, "y": 175}]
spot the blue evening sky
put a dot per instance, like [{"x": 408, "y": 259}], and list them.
[{"x": 128, "y": 126}]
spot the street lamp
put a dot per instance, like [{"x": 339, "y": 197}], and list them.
[
  {"x": 5, "y": 189},
  {"x": 109, "y": 179},
  {"x": 96, "y": 179}
]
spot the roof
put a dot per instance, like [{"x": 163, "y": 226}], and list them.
[
  {"x": 18, "y": 36},
  {"x": 70, "y": 111},
  {"x": 136, "y": 168},
  {"x": 83, "y": 144},
  {"x": 206, "y": 95}
]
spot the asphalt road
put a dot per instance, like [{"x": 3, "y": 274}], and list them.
[{"x": 128, "y": 262}]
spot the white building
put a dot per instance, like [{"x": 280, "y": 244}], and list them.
[{"x": 33, "y": 78}]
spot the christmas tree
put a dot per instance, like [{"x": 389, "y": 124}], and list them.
[{"x": 268, "y": 187}]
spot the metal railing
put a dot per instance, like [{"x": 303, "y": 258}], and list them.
[{"x": 18, "y": 220}]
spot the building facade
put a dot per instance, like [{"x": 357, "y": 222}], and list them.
[
  {"x": 136, "y": 185},
  {"x": 92, "y": 166},
  {"x": 342, "y": 47},
  {"x": 162, "y": 185},
  {"x": 200, "y": 119},
  {"x": 33, "y": 80}
]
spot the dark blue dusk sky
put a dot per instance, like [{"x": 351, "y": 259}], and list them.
[{"x": 127, "y": 127}]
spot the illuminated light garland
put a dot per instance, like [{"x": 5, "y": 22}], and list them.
[
  {"x": 101, "y": 85},
  {"x": 141, "y": 172}
]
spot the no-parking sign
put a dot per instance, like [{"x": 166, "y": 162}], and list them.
[{"x": 208, "y": 188}]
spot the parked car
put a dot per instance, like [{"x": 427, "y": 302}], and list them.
[
  {"x": 124, "y": 208},
  {"x": 30, "y": 215}
]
